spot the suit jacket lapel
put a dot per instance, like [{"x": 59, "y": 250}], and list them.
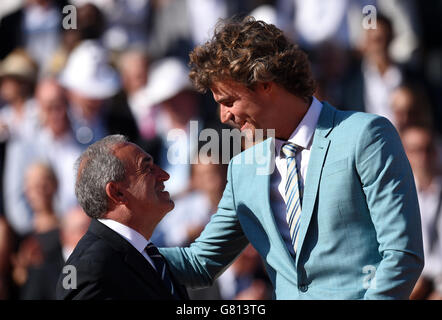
[
  {"x": 262, "y": 179},
  {"x": 131, "y": 257},
  {"x": 317, "y": 157},
  {"x": 145, "y": 270},
  {"x": 265, "y": 155}
]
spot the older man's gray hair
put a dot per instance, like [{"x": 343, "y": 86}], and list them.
[{"x": 95, "y": 167}]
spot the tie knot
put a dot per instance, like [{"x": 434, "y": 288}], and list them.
[
  {"x": 289, "y": 150},
  {"x": 151, "y": 250}
]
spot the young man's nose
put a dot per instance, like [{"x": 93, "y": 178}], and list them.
[{"x": 225, "y": 114}]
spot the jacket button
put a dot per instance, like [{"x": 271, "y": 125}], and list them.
[{"x": 303, "y": 288}]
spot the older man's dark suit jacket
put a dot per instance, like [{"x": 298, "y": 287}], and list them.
[{"x": 109, "y": 267}]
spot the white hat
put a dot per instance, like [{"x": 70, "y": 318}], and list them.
[
  {"x": 87, "y": 72},
  {"x": 266, "y": 13},
  {"x": 167, "y": 78}
]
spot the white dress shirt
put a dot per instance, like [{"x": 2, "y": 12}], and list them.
[
  {"x": 132, "y": 236},
  {"x": 303, "y": 137},
  {"x": 431, "y": 211}
]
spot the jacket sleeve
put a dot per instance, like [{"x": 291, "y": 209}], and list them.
[
  {"x": 221, "y": 241},
  {"x": 390, "y": 191}
]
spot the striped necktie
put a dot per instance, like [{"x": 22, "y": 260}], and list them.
[
  {"x": 292, "y": 193},
  {"x": 162, "y": 269}
]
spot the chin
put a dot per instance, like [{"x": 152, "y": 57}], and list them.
[{"x": 170, "y": 205}]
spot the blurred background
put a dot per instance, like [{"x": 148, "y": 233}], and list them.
[{"x": 70, "y": 77}]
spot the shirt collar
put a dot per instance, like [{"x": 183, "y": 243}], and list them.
[
  {"x": 132, "y": 236},
  {"x": 303, "y": 134}
]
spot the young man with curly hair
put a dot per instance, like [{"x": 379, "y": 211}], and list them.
[{"x": 338, "y": 218}]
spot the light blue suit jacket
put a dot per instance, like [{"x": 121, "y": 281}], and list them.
[{"x": 360, "y": 234}]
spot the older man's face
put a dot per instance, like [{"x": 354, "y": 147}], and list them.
[{"x": 144, "y": 182}]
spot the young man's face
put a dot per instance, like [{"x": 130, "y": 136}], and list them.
[{"x": 242, "y": 107}]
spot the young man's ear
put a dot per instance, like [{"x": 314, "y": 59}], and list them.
[
  {"x": 114, "y": 193},
  {"x": 265, "y": 87}
]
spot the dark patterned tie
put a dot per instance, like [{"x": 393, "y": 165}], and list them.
[{"x": 161, "y": 266}]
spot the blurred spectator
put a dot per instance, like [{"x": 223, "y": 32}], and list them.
[
  {"x": 340, "y": 21},
  {"x": 40, "y": 188},
  {"x": 245, "y": 279},
  {"x": 29, "y": 254},
  {"x": 431, "y": 47},
  {"x": 171, "y": 104},
  {"x": 410, "y": 106},
  {"x": 419, "y": 144},
  {"x": 70, "y": 38},
  {"x": 431, "y": 52},
  {"x": 73, "y": 226},
  {"x": 209, "y": 176},
  {"x": 133, "y": 67},
  {"x": 90, "y": 82},
  {"x": 126, "y": 22},
  {"x": 57, "y": 140},
  {"x": 331, "y": 64},
  {"x": 41, "y": 27},
  {"x": 406, "y": 25},
  {"x": 41, "y": 243},
  {"x": 315, "y": 21},
  {"x": 6, "y": 247},
  {"x": 42, "y": 279},
  {"x": 35, "y": 26},
  {"x": 179, "y": 25},
  {"x": 17, "y": 79},
  {"x": 18, "y": 122},
  {"x": 2, "y": 161},
  {"x": 175, "y": 28},
  {"x": 52, "y": 142},
  {"x": 380, "y": 74},
  {"x": 369, "y": 83},
  {"x": 90, "y": 26}
]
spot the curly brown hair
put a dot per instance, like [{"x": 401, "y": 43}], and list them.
[{"x": 249, "y": 51}]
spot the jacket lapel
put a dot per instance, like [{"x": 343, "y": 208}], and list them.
[
  {"x": 265, "y": 155},
  {"x": 262, "y": 179},
  {"x": 132, "y": 257},
  {"x": 318, "y": 154},
  {"x": 143, "y": 268}
]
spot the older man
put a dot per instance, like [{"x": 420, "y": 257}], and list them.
[{"x": 122, "y": 190}]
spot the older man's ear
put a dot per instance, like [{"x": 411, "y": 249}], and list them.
[{"x": 115, "y": 194}]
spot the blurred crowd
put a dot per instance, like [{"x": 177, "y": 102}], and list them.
[{"x": 122, "y": 68}]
